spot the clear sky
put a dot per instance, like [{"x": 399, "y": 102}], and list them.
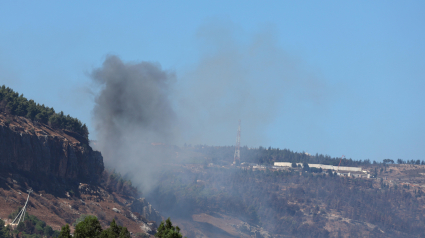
[{"x": 360, "y": 64}]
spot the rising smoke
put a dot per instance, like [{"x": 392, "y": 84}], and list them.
[
  {"x": 132, "y": 111},
  {"x": 140, "y": 103}
]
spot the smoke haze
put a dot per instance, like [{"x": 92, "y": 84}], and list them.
[
  {"x": 140, "y": 103},
  {"x": 132, "y": 110},
  {"x": 237, "y": 80}
]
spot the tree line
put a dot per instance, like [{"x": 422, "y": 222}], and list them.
[
  {"x": 89, "y": 227},
  {"x": 18, "y": 105},
  {"x": 267, "y": 156}
]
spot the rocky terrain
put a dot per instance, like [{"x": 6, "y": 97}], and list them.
[
  {"x": 136, "y": 214},
  {"x": 66, "y": 176},
  {"x": 38, "y": 149}
]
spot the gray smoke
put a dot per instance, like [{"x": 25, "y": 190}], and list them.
[
  {"x": 240, "y": 77},
  {"x": 139, "y": 103},
  {"x": 132, "y": 111}
]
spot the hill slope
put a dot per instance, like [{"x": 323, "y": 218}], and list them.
[
  {"x": 67, "y": 176},
  {"x": 213, "y": 200}
]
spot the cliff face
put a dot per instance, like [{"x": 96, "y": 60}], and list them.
[
  {"x": 39, "y": 149},
  {"x": 145, "y": 209}
]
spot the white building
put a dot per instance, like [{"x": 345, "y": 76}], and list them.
[{"x": 323, "y": 166}]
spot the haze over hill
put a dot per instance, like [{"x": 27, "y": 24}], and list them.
[
  {"x": 161, "y": 86},
  {"x": 138, "y": 103},
  {"x": 198, "y": 186}
]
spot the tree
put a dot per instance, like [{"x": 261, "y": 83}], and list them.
[
  {"x": 167, "y": 230},
  {"x": 124, "y": 233},
  {"x": 115, "y": 231},
  {"x": 294, "y": 165},
  {"x": 21, "y": 226},
  {"x": 48, "y": 231},
  {"x": 89, "y": 227},
  {"x": 306, "y": 167},
  {"x": 1, "y": 226},
  {"x": 5, "y": 232},
  {"x": 65, "y": 232},
  {"x": 18, "y": 105},
  {"x": 387, "y": 161}
]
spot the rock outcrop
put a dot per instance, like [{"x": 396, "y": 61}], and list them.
[
  {"x": 145, "y": 209},
  {"x": 39, "y": 149}
]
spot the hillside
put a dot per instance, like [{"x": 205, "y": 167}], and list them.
[
  {"x": 67, "y": 176},
  {"x": 216, "y": 199},
  {"x": 134, "y": 213},
  {"x": 39, "y": 149},
  {"x": 203, "y": 193},
  {"x": 198, "y": 186}
]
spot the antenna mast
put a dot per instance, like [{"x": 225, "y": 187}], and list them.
[
  {"x": 21, "y": 214},
  {"x": 237, "y": 156},
  {"x": 340, "y": 161}
]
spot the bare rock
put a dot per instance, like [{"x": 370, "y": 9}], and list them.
[
  {"x": 145, "y": 209},
  {"x": 50, "y": 155}
]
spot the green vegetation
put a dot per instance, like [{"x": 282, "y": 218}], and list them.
[
  {"x": 80, "y": 219},
  {"x": 18, "y": 105},
  {"x": 90, "y": 227},
  {"x": 32, "y": 227},
  {"x": 65, "y": 232},
  {"x": 167, "y": 230},
  {"x": 4, "y": 230}
]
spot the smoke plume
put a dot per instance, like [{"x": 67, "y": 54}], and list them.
[
  {"x": 132, "y": 111},
  {"x": 140, "y": 103}
]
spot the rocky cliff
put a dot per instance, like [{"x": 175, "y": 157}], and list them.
[
  {"x": 145, "y": 209},
  {"x": 67, "y": 177},
  {"x": 38, "y": 149}
]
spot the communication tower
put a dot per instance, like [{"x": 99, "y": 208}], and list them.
[
  {"x": 340, "y": 161},
  {"x": 237, "y": 157}
]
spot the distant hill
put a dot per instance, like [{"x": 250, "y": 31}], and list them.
[{"x": 212, "y": 198}]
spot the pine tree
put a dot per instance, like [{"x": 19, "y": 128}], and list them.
[
  {"x": 65, "y": 232},
  {"x": 89, "y": 227},
  {"x": 167, "y": 230}
]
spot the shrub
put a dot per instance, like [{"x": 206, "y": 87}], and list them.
[{"x": 89, "y": 227}]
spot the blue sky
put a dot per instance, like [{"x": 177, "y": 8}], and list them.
[{"x": 361, "y": 63}]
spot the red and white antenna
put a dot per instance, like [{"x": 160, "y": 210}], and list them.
[
  {"x": 238, "y": 145},
  {"x": 340, "y": 161}
]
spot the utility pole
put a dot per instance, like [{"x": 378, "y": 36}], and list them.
[
  {"x": 21, "y": 214},
  {"x": 237, "y": 156}
]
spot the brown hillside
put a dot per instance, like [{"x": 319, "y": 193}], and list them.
[{"x": 67, "y": 177}]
